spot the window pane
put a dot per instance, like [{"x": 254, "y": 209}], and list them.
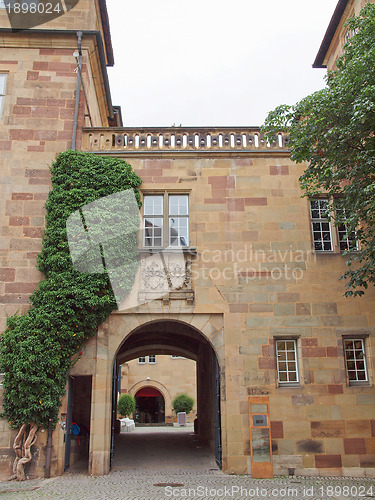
[
  {"x": 178, "y": 205},
  {"x": 153, "y": 232},
  {"x": 178, "y": 231},
  {"x": 153, "y": 205},
  {"x": 355, "y": 360},
  {"x": 3, "y": 81},
  {"x": 286, "y": 361}
]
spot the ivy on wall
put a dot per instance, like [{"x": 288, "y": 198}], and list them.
[{"x": 38, "y": 348}]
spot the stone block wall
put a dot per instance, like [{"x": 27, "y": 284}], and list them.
[
  {"x": 255, "y": 264},
  {"x": 36, "y": 124}
]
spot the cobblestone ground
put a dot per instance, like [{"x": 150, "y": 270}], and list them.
[{"x": 175, "y": 465}]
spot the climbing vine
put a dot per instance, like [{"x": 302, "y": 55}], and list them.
[{"x": 39, "y": 347}]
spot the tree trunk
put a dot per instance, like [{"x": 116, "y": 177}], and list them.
[{"x": 23, "y": 442}]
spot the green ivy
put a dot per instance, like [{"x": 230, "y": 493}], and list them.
[{"x": 38, "y": 348}]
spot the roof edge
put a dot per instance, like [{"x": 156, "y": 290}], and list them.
[
  {"x": 106, "y": 32},
  {"x": 330, "y": 33}
]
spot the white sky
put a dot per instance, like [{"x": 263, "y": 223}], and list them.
[{"x": 213, "y": 62}]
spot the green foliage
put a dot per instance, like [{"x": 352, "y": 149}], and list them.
[
  {"x": 183, "y": 402},
  {"x": 333, "y": 130},
  {"x": 37, "y": 348},
  {"x": 126, "y": 405}
]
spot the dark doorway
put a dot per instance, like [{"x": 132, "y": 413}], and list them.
[
  {"x": 77, "y": 436},
  {"x": 150, "y": 407},
  {"x": 177, "y": 338}
]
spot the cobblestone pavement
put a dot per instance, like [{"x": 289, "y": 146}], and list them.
[{"x": 175, "y": 465}]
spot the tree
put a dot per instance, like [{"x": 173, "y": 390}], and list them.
[
  {"x": 126, "y": 405},
  {"x": 333, "y": 131},
  {"x": 39, "y": 347},
  {"x": 183, "y": 402}
]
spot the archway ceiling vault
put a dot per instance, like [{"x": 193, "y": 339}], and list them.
[{"x": 162, "y": 337}]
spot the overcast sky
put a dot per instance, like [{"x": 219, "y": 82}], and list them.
[{"x": 213, "y": 62}]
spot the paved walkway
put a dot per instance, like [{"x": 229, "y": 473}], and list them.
[{"x": 174, "y": 465}]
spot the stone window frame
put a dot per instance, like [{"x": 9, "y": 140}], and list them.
[
  {"x": 339, "y": 240},
  {"x": 297, "y": 352},
  {"x": 165, "y": 216},
  {"x": 364, "y": 341},
  {"x": 142, "y": 360}
]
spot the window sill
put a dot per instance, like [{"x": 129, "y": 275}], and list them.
[
  {"x": 359, "y": 384},
  {"x": 289, "y": 385},
  {"x": 343, "y": 253},
  {"x": 153, "y": 250}
]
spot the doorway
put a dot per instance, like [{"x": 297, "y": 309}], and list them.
[
  {"x": 77, "y": 432},
  {"x": 150, "y": 406},
  {"x": 176, "y": 338}
]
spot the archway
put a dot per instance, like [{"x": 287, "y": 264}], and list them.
[
  {"x": 177, "y": 338},
  {"x": 150, "y": 406}
]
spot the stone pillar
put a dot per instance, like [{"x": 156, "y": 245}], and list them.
[{"x": 101, "y": 406}]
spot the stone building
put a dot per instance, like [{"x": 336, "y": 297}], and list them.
[
  {"x": 259, "y": 307},
  {"x": 155, "y": 381}
]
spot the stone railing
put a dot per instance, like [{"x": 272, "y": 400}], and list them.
[{"x": 180, "y": 140}]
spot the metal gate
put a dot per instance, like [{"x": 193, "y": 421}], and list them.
[
  {"x": 68, "y": 428},
  {"x": 114, "y": 410},
  {"x": 217, "y": 418}
]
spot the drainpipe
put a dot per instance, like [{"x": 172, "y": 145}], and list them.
[
  {"x": 47, "y": 472},
  {"x": 78, "y": 90}
]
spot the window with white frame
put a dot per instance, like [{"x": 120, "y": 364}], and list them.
[
  {"x": 151, "y": 359},
  {"x": 165, "y": 220},
  {"x": 320, "y": 223},
  {"x": 325, "y": 239},
  {"x": 355, "y": 361},
  {"x": 347, "y": 239},
  {"x": 3, "y": 83},
  {"x": 287, "y": 365},
  {"x": 153, "y": 220}
]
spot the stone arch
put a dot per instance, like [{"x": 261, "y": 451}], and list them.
[
  {"x": 120, "y": 326},
  {"x": 102, "y": 351},
  {"x": 157, "y": 385}
]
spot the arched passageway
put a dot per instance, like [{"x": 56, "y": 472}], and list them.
[
  {"x": 150, "y": 406},
  {"x": 177, "y": 338}
]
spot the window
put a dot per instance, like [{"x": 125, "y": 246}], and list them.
[
  {"x": 347, "y": 36},
  {"x": 286, "y": 356},
  {"x": 355, "y": 361},
  {"x": 165, "y": 220},
  {"x": 324, "y": 239},
  {"x": 321, "y": 227},
  {"x": 153, "y": 210},
  {"x": 178, "y": 220},
  {"x": 3, "y": 82},
  {"x": 149, "y": 359},
  {"x": 347, "y": 240}
]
